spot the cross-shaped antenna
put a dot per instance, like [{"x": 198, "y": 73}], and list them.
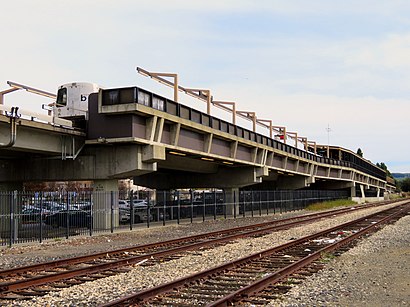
[
  {"x": 328, "y": 140},
  {"x": 328, "y": 129}
]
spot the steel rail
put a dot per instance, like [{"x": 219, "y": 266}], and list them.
[
  {"x": 16, "y": 285},
  {"x": 261, "y": 284},
  {"x": 267, "y": 225},
  {"x": 146, "y": 295},
  {"x": 40, "y": 280}
]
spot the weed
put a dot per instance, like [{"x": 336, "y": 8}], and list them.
[
  {"x": 326, "y": 257},
  {"x": 330, "y": 204}
]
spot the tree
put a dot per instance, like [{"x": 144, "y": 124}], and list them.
[
  {"x": 405, "y": 185},
  {"x": 360, "y": 152},
  {"x": 384, "y": 167}
]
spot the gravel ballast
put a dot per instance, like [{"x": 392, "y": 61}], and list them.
[{"x": 331, "y": 286}]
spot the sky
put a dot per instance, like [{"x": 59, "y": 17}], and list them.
[{"x": 306, "y": 65}]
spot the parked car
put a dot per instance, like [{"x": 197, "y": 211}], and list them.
[
  {"x": 124, "y": 215},
  {"x": 76, "y": 218},
  {"x": 140, "y": 208},
  {"x": 32, "y": 213}
]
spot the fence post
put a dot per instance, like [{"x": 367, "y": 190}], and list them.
[
  {"x": 164, "y": 208},
  {"x": 41, "y": 217},
  {"x": 203, "y": 206},
  {"x": 149, "y": 209},
  {"x": 131, "y": 209},
  {"x": 91, "y": 212},
  {"x": 224, "y": 204},
  {"x": 252, "y": 203},
  {"x": 214, "y": 204},
  {"x": 11, "y": 218},
  {"x": 280, "y": 202},
  {"x": 67, "y": 218},
  {"x": 274, "y": 202},
  {"x": 192, "y": 204},
  {"x": 112, "y": 210},
  {"x": 179, "y": 207},
  {"x": 267, "y": 202},
  {"x": 234, "y": 204},
  {"x": 243, "y": 203},
  {"x": 260, "y": 203}
]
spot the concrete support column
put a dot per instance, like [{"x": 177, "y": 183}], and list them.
[
  {"x": 363, "y": 195},
  {"x": 232, "y": 201},
  {"x": 105, "y": 204},
  {"x": 353, "y": 191}
]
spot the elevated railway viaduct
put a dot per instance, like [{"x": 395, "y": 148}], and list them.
[{"x": 131, "y": 132}]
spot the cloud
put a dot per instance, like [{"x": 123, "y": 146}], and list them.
[{"x": 302, "y": 64}]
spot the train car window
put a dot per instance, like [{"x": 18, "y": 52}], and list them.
[
  {"x": 205, "y": 119},
  {"x": 172, "y": 107},
  {"x": 110, "y": 97},
  {"x": 62, "y": 97},
  {"x": 246, "y": 134},
  {"x": 144, "y": 98},
  {"x": 224, "y": 126},
  {"x": 127, "y": 95},
  {"x": 215, "y": 123},
  {"x": 158, "y": 103},
  {"x": 231, "y": 129},
  {"x": 184, "y": 112},
  {"x": 195, "y": 116},
  {"x": 239, "y": 131}
]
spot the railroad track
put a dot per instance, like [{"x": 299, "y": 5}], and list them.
[
  {"x": 39, "y": 279},
  {"x": 262, "y": 277}
]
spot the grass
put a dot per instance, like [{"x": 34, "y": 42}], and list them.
[
  {"x": 326, "y": 257},
  {"x": 330, "y": 204},
  {"x": 395, "y": 196}
]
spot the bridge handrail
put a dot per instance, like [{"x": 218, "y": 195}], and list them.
[{"x": 40, "y": 117}]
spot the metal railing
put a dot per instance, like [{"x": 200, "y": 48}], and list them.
[{"x": 38, "y": 216}]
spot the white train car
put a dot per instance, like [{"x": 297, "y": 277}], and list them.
[{"x": 72, "y": 100}]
